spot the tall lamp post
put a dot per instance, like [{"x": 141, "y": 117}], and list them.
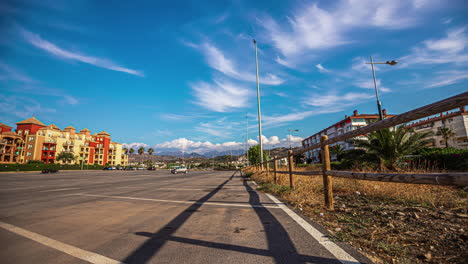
[
  {"x": 258, "y": 105},
  {"x": 290, "y": 134},
  {"x": 391, "y": 63}
]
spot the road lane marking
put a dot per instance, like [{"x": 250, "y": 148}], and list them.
[
  {"x": 57, "y": 190},
  {"x": 333, "y": 248},
  {"x": 65, "y": 248},
  {"x": 201, "y": 189},
  {"x": 175, "y": 201}
]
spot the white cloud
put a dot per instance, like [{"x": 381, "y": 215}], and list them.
[
  {"x": 311, "y": 27},
  {"x": 217, "y": 60},
  {"x": 135, "y": 145},
  {"x": 449, "y": 49},
  {"x": 220, "y": 96},
  {"x": 22, "y": 107},
  {"x": 369, "y": 84},
  {"x": 335, "y": 100},
  {"x": 187, "y": 145},
  {"x": 55, "y": 50},
  {"x": 446, "y": 78},
  {"x": 321, "y": 68}
]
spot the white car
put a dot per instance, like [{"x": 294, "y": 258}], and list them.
[{"x": 179, "y": 170}]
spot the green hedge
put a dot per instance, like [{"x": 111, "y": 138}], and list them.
[
  {"x": 40, "y": 167},
  {"x": 445, "y": 158}
]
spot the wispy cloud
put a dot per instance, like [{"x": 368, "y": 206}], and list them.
[
  {"x": 445, "y": 78},
  {"x": 322, "y": 69},
  {"x": 20, "y": 82},
  {"x": 22, "y": 107},
  {"x": 220, "y": 96},
  {"x": 311, "y": 27},
  {"x": 37, "y": 41},
  {"x": 218, "y": 60},
  {"x": 450, "y": 49}
]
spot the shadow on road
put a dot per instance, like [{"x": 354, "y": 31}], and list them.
[{"x": 280, "y": 246}]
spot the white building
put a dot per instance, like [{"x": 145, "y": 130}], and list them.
[
  {"x": 456, "y": 121},
  {"x": 347, "y": 124}
]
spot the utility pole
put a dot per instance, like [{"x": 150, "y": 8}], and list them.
[
  {"x": 258, "y": 105},
  {"x": 247, "y": 138}
]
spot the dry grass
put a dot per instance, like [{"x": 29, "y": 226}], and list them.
[{"x": 309, "y": 189}]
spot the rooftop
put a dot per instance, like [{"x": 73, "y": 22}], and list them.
[{"x": 31, "y": 120}]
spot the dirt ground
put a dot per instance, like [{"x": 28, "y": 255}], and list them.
[{"x": 388, "y": 222}]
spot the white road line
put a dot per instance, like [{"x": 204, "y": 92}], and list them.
[
  {"x": 333, "y": 248},
  {"x": 175, "y": 201},
  {"x": 57, "y": 190},
  {"x": 200, "y": 189},
  {"x": 65, "y": 248}
]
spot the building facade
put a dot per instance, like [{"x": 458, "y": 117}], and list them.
[
  {"x": 456, "y": 121},
  {"x": 34, "y": 140},
  {"x": 349, "y": 123}
]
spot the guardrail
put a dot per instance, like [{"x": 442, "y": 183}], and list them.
[{"x": 455, "y": 179}]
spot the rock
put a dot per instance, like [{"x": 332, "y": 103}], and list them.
[
  {"x": 416, "y": 215},
  {"x": 321, "y": 214},
  {"x": 338, "y": 229},
  {"x": 428, "y": 256},
  {"x": 358, "y": 193},
  {"x": 343, "y": 206},
  {"x": 400, "y": 213},
  {"x": 390, "y": 225}
]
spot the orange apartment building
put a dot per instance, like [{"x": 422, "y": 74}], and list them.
[{"x": 33, "y": 140}]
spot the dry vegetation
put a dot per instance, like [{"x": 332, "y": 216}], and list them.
[{"x": 389, "y": 222}]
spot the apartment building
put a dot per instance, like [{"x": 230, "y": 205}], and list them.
[
  {"x": 456, "y": 121},
  {"x": 347, "y": 124},
  {"x": 33, "y": 140}
]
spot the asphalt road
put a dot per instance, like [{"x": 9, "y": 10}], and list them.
[{"x": 153, "y": 217}]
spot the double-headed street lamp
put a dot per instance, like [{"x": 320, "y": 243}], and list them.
[
  {"x": 290, "y": 135},
  {"x": 391, "y": 63}
]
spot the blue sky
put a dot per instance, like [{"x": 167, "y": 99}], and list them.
[{"x": 181, "y": 75}]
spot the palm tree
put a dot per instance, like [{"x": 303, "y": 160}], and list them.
[
  {"x": 446, "y": 133},
  {"x": 150, "y": 151},
  {"x": 390, "y": 145},
  {"x": 125, "y": 150},
  {"x": 141, "y": 150},
  {"x": 337, "y": 150}
]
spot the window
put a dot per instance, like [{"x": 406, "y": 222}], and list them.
[
  {"x": 26, "y": 132},
  {"x": 29, "y": 154},
  {"x": 30, "y": 146},
  {"x": 31, "y": 138},
  {"x": 20, "y": 132}
]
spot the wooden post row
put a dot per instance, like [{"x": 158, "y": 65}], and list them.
[
  {"x": 275, "y": 168},
  {"x": 290, "y": 165},
  {"x": 327, "y": 180}
]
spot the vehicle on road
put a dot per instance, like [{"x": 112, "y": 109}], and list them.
[
  {"x": 179, "y": 170},
  {"x": 49, "y": 171}
]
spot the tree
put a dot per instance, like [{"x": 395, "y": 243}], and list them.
[
  {"x": 299, "y": 158},
  {"x": 131, "y": 151},
  {"x": 390, "y": 145},
  {"x": 65, "y": 157},
  {"x": 337, "y": 150},
  {"x": 141, "y": 150},
  {"x": 254, "y": 154},
  {"x": 150, "y": 151},
  {"x": 125, "y": 150},
  {"x": 446, "y": 133}
]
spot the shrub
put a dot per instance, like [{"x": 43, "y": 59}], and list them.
[
  {"x": 445, "y": 158},
  {"x": 40, "y": 167}
]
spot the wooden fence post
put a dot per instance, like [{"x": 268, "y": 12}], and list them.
[
  {"x": 290, "y": 165},
  {"x": 275, "y": 168},
  {"x": 327, "y": 180},
  {"x": 268, "y": 168}
]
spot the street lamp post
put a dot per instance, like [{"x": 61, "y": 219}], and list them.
[
  {"x": 258, "y": 105},
  {"x": 290, "y": 134},
  {"x": 379, "y": 104}
]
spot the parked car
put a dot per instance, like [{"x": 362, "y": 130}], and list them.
[
  {"x": 49, "y": 171},
  {"x": 107, "y": 168},
  {"x": 179, "y": 170},
  {"x": 151, "y": 168}
]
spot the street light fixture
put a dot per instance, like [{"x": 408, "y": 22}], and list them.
[
  {"x": 391, "y": 63},
  {"x": 289, "y": 138}
]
